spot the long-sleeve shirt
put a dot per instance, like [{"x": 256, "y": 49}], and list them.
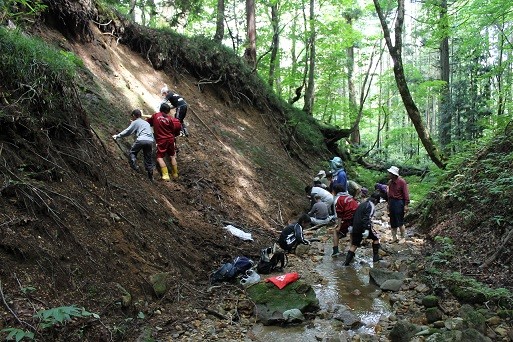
[
  {"x": 319, "y": 211},
  {"x": 362, "y": 217},
  {"x": 345, "y": 206},
  {"x": 326, "y": 196},
  {"x": 140, "y": 128},
  {"x": 175, "y": 100},
  {"x": 398, "y": 189},
  {"x": 340, "y": 177},
  {"x": 162, "y": 125}
]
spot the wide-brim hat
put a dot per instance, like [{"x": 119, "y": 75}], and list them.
[{"x": 394, "y": 170}]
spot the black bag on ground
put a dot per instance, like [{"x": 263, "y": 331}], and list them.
[
  {"x": 267, "y": 265},
  {"x": 230, "y": 270}
]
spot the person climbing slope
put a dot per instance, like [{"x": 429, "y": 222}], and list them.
[
  {"x": 179, "y": 103},
  {"x": 144, "y": 141},
  {"x": 165, "y": 131}
]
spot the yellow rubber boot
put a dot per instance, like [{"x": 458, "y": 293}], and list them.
[
  {"x": 165, "y": 174},
  {"x": 175, "y": 171}
]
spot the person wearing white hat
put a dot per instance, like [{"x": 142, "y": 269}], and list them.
[
  {"x": 322, "y": 178},
  {"x": 398, "y": 201}
]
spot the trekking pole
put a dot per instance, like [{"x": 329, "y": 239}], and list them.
[{"x": 126, "y": 154}]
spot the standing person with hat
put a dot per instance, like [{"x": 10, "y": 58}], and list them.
[
  {"x": 322, "y": 178},
  {"x": 339, "y": 174},
  {"x": 398, "y": 201}
]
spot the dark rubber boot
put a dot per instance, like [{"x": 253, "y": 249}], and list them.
[
  {"x": 335, "y": 252},
  {"x": 375, "y": 252},
  {"x": 349, "y": 258}
]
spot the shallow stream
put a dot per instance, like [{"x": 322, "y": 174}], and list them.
[{"x": 348, "y": 286}]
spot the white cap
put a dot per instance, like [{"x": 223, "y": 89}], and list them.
[{"x": 164, "y": 89}]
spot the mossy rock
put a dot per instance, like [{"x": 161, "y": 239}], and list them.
[
  {"x": 271, "y": 302},
  {"x": 467, "y": 294},
  {"x": 472, "y": 335},
  {"x": 430, "y": 301},
  {"x": 473, "y": 319},
  {"x": 403, "y": 331},
  {"x": 505, "y": 313},
  {"x": 297, "y": 295},
  {"x": 160, "y": 283},
  {"x": 433, "y": 315}
]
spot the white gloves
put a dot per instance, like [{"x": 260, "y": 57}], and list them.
[
  {"x": 115, "y": 136},
  {"x": 365, "y": 234}
]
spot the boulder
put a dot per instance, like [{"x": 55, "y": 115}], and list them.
[
  {"x": 430, "y": 301},
  {"x": 380, "y": 275},
  {"x": 345, "y": 315},
  {"x": 160, "y": 282},
  {"x": 433, "y": 315},
  {"x": 391, "y": 285},
  {"x": 403, "y": 331},
  {"x": 272, "y": 302}
]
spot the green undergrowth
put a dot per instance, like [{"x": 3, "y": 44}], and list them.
[
  {"x": 477, "y": 180},
  {"x": 47, "y": 320},
  {"x": 36, "y": 76},
  {"x": 465, "y": 289},
  {"x": 417, "y": 186}
]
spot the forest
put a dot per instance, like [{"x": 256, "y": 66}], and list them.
[
  {"x": 407, "y": 82},
  {"x": 91, "y": 251}
]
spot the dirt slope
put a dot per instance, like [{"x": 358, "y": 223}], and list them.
[{"x": 114, "y": 228}]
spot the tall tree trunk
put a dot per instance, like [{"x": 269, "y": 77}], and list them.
[
  {"x": 273, "y": 64},
  {"x": 353, "y": 107},
  {"x": 250, "y": 52},
  {"x": 309, "y": 92},
  {"x": 219, "y": 35},
  {"x": 445, "y": 123},
  {"x": 501, "y": 99},
  {"x": 131, "y": 11},
  {"x": 152, "y": 22},
  {"x": 400, "y": 79}
]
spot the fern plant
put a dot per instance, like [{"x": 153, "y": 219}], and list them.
[{"x": 48, "y": 319}]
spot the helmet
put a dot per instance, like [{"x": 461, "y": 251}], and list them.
[{"x": 336, "y": 163}]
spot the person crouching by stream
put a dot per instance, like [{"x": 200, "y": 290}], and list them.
[
  {"x": 345, "y": 206},
  {"x": 362, "y": 229},
  {"x": 292, "y": 235}
]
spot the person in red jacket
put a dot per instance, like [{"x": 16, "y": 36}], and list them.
[
  {"x": 345, "y": 206},
  {"x": 164, "y": 130}
]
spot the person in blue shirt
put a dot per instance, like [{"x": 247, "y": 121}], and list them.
[{"x": 338, "y": 172}]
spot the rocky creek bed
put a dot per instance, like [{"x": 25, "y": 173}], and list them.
[{"x": 410, "y": 309}]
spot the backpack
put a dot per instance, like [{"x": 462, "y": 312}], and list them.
[
  {"x": 177, "y": 126},
  {"x": 267, "y": 265},
  {"x": 230, "y": 270}
]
